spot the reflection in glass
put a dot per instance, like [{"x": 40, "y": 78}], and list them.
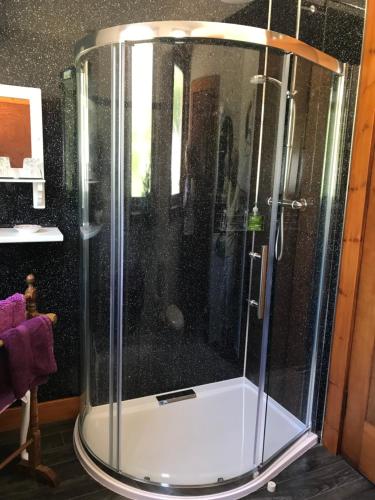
[
  {"x": 178, "y": 93},
  {"x": 142, "y": 59}
]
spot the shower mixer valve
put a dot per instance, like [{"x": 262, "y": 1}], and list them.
[{"x": 300, "y": 204}]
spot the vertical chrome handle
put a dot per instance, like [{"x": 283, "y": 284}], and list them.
[{"x": 263, "y": 281}]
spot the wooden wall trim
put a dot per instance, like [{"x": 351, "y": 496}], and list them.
[
  {"x": 360, "y": 368},
  {"x": 50, "y": 411},
  {"x": 352, "y": 241}
]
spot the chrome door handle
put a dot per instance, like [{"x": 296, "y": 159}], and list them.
[
  {"x": 260, "y": 303},
  {"x": 263, "y": 282}
]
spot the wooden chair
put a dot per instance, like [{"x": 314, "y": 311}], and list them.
[{"x": 30, "y": 442}]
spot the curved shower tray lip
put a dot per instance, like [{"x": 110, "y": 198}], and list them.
[
  {"x": 180, "y": 30},
  {"x": 303, "y": 444}
]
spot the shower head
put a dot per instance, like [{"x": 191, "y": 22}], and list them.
[{"x": 260, "y": 79}]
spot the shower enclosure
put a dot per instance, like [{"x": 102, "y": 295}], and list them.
[{"x": 209, "y": 161}]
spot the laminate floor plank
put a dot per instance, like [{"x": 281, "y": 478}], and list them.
[
  {"x": 360, "y": 489},
  {"x": 309, "y": 485}
]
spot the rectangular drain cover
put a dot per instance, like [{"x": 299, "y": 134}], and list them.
[{"x": 173, "y": 397}]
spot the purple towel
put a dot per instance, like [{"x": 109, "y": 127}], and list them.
[
  {"x": 29, "y": 349},
  {"x": 7, "y": 396},
  {"x": 12, "y": 311},
  {"x": 19, "y": 308}
]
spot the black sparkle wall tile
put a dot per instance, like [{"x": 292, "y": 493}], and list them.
[
  {"x": 343, "y": 30},
  {"x": 284, "y": 17},
  {"x": 312, "y": 22},
  {"x": 36, "y": 43},
  {"x": 253, "y": 14}
]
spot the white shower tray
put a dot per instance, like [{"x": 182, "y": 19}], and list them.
[{"x": 195, "y": 441}]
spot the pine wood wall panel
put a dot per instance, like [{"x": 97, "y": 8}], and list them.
[
  {"x": 50, "y": 411},
  {"x": 352, "y": 241},
  {"x": 363, "y": 341}
]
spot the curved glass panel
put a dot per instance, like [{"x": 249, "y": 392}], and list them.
[{"x": 183, "y": 155}]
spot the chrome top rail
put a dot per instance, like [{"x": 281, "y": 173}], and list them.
[{"x": 207, "y": 30}]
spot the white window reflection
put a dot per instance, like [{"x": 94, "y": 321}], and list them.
[
  {"x": 142, "y": 63},
  {"x": 178, "y": 92}
]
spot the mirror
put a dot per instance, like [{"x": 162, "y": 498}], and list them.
[{"x": 21, "y": 134}]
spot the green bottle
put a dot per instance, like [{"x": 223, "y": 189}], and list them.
[{"x": 255, "y": 221}]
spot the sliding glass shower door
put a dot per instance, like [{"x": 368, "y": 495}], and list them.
[{"x": 306, "y": 203}]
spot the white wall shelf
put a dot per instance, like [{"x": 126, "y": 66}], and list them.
[
  {"x": 24, "y": 179},
  {"x": 45, "y": 234}
]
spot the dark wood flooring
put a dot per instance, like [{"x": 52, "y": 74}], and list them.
[{"x": 317, "y": 475}]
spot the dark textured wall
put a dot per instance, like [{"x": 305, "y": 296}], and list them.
[
  {"x": 323, "y": 27},
  {"x": 36, "y": 44}
]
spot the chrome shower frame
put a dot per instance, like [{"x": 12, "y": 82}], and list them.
[{"x": 182, "y": 30}]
